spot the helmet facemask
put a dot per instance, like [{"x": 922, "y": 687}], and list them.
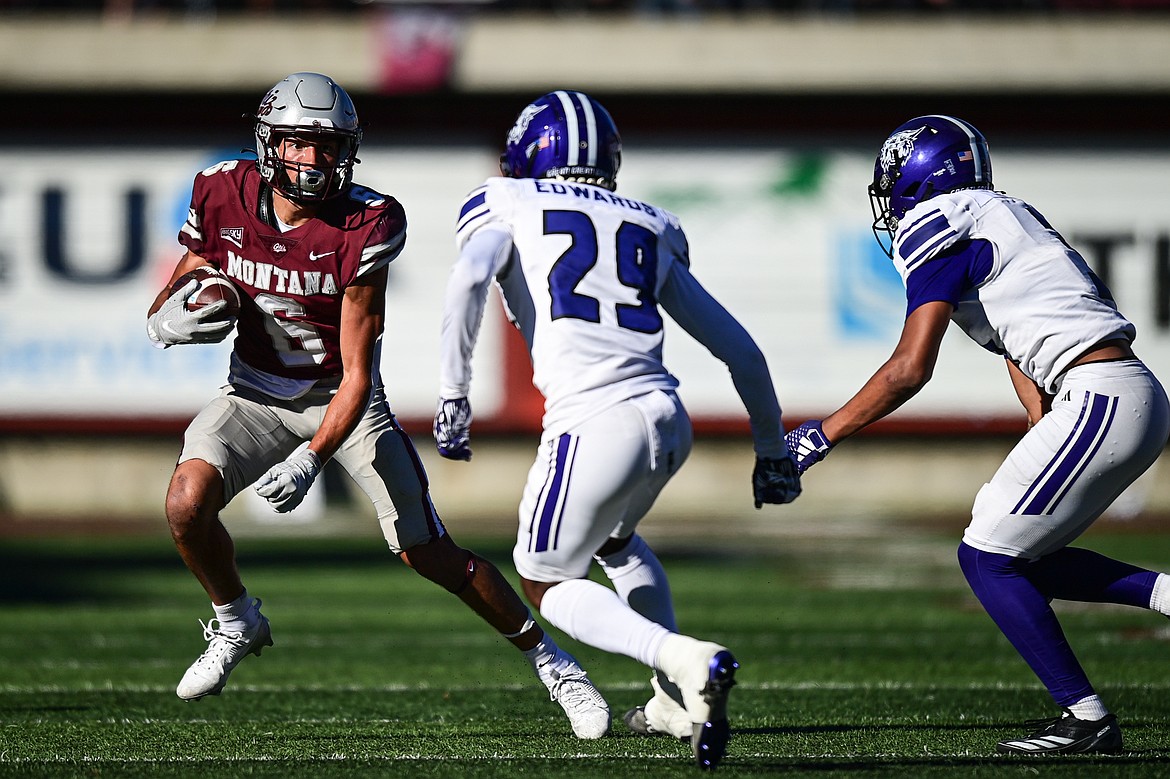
[
  {"x": 885, "y": 224},
  {"x": 308, "y": 108},
  {"x": 303, "y": 182}
]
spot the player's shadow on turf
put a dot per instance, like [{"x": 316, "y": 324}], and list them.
[
  {"x": 797, "y": 729},
  {"x": 806, "y": 729},
  {"x": 900, "y": 766},
  {"x": 1126, "y": 756}
]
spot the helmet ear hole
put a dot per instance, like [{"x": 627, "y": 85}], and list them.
[{"x": 916, "y": 190}]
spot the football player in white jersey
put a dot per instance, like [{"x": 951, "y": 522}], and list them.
[
  {"x": 586, "y": 275},
  {"x": 1098, "y": 418}
]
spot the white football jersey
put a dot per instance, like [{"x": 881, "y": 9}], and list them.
[
  {"x": 1040, "y": 306},
  {"x": 583, "y": 272}
]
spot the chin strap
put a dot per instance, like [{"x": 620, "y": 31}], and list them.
[{"x": 264, "y": 209}]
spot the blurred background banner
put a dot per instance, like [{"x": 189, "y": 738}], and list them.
[
  {"x": 780, "y": 236},
  {"x": 418, "y": 48}
]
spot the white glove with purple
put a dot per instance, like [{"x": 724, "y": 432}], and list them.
[
  {"x": 775, "y": 480},
  {"x": 808, "y": 444},
  {"x": 174, "y": 324},
  {"x": 285, "y": 484},
  {"x": 452, "y": 428}
]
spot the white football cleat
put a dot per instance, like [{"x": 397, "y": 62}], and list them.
[
  {"x": 705, "y": 674},
  {"x": 661, "y": 716},
  {"x": 569, "y": 685},
  {"x": 210, "y": 671}
]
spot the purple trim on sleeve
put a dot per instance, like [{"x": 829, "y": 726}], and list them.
[
  {"x": 928, "y": 230},
  {"x": 948, "y": 276},
  {"x": 472, "y": 202}
]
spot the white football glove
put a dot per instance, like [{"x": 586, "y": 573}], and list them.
[
  {"x": 452, "y": 428},
  {"x": 285, "y": 484},
  {"x": 173, "y": 324},
  {"x": 775, "y": 480},
  {"x": 808, "y": 444}
]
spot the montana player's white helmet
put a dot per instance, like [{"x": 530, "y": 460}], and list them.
[{"x": 308, "y": 105}]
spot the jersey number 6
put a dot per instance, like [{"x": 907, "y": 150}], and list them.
[{"x": 297, "y": 344}]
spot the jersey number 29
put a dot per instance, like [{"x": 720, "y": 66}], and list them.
[{"x": 636, "y": 250}]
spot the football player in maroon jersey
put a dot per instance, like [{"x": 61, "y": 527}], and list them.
[{"x": 308, "y": 250}]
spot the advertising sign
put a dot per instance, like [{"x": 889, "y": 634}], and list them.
[{"x": 781, "y": 236}]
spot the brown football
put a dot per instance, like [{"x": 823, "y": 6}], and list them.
[{"x": 213, "y": 287}]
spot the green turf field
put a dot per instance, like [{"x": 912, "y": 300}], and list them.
[{"x": 857, "y": 660}]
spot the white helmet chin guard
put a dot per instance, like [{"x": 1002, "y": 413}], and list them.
[{"x": 310, "y": 106}]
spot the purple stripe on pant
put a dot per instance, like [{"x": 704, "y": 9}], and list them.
[
  {"x": 551, "y": 498},
  {"x": 1072, "y": 458}
]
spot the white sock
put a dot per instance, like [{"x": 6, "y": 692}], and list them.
[
  {"x": 678, "y": 653},
  {"x": 1090, "y": 709},
  {"x": 1160, "y": 597},
  {"x": 640, "y": 580},
  {"x": 237, "y": 616},
  {"x": 594, "y": 615},
  {"x": 542, "y": 653}
]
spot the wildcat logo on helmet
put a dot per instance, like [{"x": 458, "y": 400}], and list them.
[
  {"x": 233, "y": 235},
  {"x": 522, "y": 122},
  {"x": 898, "y": 147}
]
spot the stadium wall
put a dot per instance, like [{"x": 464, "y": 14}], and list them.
[{"x": 398, "y": 48}]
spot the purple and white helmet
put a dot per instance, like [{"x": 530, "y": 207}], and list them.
[
  {"x": 307, "y": 105},
  {"x": 927, "y": 156},
  {"x": 564, "y": 135}
]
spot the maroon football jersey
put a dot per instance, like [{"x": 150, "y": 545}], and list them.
[{"x": 291, "y": 283}]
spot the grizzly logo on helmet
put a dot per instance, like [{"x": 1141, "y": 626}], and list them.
[{"x": 267, "y": 104}]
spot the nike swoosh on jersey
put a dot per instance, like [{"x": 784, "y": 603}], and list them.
[{"x": 313, "y": 256}]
